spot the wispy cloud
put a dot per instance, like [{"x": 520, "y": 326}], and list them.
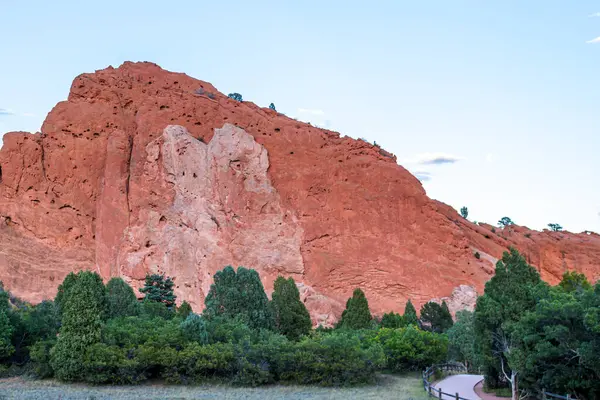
[
  {"x": 310, "y": 111},
  {"x": 423, "y": 176},
  {"x": 594, "y": 41},
  {"x": 433, "y": 159},
  {"x": 28, "y": 115},
  {"x": 596, "y": 14},
  {"x": 6, "y": 111}
]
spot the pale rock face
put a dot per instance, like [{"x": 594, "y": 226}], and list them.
[
  {"x": 463, "y": 297},
  {"x": 220, "y": 209}
]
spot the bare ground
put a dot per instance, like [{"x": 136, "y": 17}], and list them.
[{"x": 405, "y": 387}]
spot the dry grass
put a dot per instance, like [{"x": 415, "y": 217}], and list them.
[{"x": 406, "y": 387}]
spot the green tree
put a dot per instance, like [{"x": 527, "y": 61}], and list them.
[
  {"x": 239, "y": 294},
  {"x": 555, "y": 227},
  {"x": 411, "y": 348},
  {"x": 63, "y": 288},
  {"x": 184, "y": 309},
  {"x": 410, "y": 314},
  {"x": 235, "y": 96},
  {"x": 159, "y": 288},
  {"x": 194, "y": 329},
  {"x": 464, "y": 212},
  {"x": 272, "y": 107},
  {"x": 504, "y": 222},
  {"x": 6, "y": 331},
  {"x": 508, "y": 295},
  {"x": 42, "y": 322},
  {"x": 559, "y": 342},
  {"x": 357, "y": 314},
  {"x": 573, "y": 281},
  {"x": 120, "y": 299},
  {"x": 462, "y": 342},
  {"x": 435, "y": 317},
  {"x": 392, "y": 320},
  {"x": 83, "y": 312},
  {"x": 291, "y": 316}
]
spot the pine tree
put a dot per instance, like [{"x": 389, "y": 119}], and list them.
[
  {"x": 291, "y": 316},
  {"x": 63, "y": 288},
  {"x": 82, "y": 320},
  {"x": 357, "y": 314},
  {"x": 464, "y": 212},
  {"x": 240, "y": 295},
  {"x": 410, "y": 314},
  {"x": 392, "y": 320},
  {"x": 159, "y": 288},
  {"x": 272, "y": 107},
  {"x": 120, "y": 299},
  {"x": 184, "y": 310},
  {"x": 435, "y": 317}
]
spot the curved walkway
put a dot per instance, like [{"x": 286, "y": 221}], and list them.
[{"x": 462, "y": 384}]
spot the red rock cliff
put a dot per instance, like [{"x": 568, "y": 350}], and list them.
[{"x": 144, "y": 170}]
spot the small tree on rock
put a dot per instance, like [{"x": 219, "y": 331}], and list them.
[
  {"x": 120, "y": 299},
  {"x": 235, "y": 96},
  {"x": 410, "y": 314},
  {"x": 555, "y": 227},
  {"x": 357, "y": 314},
  {"x": 291, "y": 316},
  {"x": 504, "y": 222},
  {"x": 464, "y": 212},
  {"x": 272, "y": 107},
  {"x": 160, "y": 289}
]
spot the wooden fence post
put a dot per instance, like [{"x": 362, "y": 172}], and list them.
[
  {"x": 457, "y": 396},
  {"x": 440, "y": 393},
  {"x": 429, "y": 389}
]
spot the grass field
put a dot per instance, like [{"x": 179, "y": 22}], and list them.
[{"x": 395, "y": 387}]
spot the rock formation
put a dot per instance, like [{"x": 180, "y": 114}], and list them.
[{"x": 144, "y": 170}]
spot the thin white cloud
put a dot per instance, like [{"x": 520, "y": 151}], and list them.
[
  {"x": 433, "y": 159},
  {"x": 28, "y": 115},
  {"x": 310, "y": 111},
  {"x": 594, "y": 41},
  {"x": 596, "y": 14},
  {"x": 6, "y": 111},
  {"x": 423, "y": 176}
]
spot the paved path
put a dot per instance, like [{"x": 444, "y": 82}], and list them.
[{"x": 461, "y": 384}]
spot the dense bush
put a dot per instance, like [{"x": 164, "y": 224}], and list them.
[
  {"x": 392, "y": 320},
  {"x": 411, "y": 348},
  {"x": 332, "y": 360}
]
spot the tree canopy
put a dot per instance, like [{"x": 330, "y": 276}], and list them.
[
  {"x": 291, "y": 316},
  {"x": 357, "y": 314}
]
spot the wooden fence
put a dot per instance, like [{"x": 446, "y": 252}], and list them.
[
  {"x": 449, "y": 368},
  {"x": 550, "y": 396}
]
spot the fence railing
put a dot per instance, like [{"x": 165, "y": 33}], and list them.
[
  {"x": 549, "y": 396},
  {"x": 449, "y": 368}
]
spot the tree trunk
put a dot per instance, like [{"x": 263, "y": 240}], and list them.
[{"x": 513, "y": 386}]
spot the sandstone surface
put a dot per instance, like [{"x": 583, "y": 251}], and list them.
[{"x": 144, "y": 170}]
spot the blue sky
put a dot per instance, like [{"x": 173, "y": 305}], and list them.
[{"x": 507, "y": 92}]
